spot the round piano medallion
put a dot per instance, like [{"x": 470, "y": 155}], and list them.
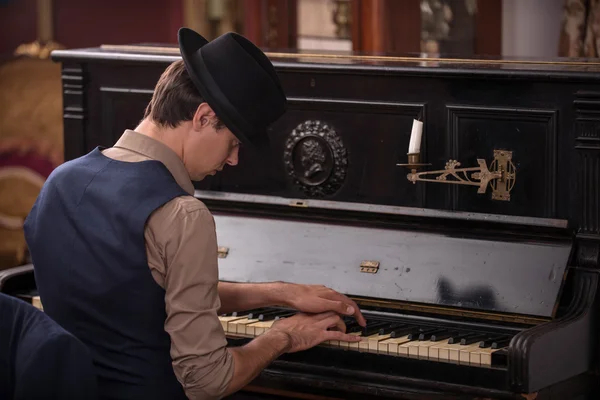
[{"x": 315, "y": 158}]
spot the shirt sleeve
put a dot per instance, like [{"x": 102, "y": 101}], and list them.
[{"x": 182, "y": 235}]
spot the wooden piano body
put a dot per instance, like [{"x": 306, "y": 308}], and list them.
[{"x": 513, "y": 274}]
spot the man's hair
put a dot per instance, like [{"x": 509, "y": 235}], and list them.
[{"x": 175, "y": 98}]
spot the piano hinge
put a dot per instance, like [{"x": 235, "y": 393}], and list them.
[
  {"x": 223, "y": 251},
  {"x": 369, "y": 266}
]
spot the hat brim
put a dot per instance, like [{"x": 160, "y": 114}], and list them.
[{"x": 190, "y": 42}]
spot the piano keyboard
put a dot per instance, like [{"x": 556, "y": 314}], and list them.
[{"x": 403, "y": 339}]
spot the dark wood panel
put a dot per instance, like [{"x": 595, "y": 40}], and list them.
[
  {"x": 530, "y": 134},
  {"x": 334, "y": 149},
  {"x": 116, "y": 97},
  {"x": 122, "y": 107}
]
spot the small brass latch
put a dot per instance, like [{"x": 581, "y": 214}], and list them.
[
  {"x": 223, "y": 251},
  {"x": 370, "y": 267},
  {"x": 299, "y": 203}
]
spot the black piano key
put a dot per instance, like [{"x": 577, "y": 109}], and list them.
[
  {"x": 391, "y": 327},
  {"x": 427, "y": 335},
  {"x": 373, "y": 328},
  {"x": 270, "y": 315},
  {"x": 455, "y": 339},
  {"x": 352, "y": 326},
  {"x": 396, "y": 333},
  {"x": 487, "y": 342},
  {"x": 254, "y": 314},
  {"x": 473, "y": 338},
  {"x": 436, "y": 337},
  {"x": 247, "y": 312},
  {"x": 501, "y": 343},
  {"x": 355, "y": 328},
  {"x": 422, "y": 331},
  {"x": 288, "y": 314}
]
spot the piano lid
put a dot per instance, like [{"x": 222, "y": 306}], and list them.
[{"x": 485, "y": 275}]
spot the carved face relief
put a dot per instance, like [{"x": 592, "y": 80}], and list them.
[{"x": 315, "y": 158}]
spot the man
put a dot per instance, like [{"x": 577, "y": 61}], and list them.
[{"x": 126, "y": 258}]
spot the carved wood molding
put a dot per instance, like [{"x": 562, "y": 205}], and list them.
[
  {"x": 587, "y": 170},
  {"x": 74, "y": 77}
]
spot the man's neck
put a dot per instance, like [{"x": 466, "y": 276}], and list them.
[{"x": 168, "y": 136}]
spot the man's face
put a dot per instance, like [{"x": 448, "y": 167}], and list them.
[{"x": 207, "y": 150}]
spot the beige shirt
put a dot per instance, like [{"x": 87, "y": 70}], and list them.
[{"x": 181, "y": 246}]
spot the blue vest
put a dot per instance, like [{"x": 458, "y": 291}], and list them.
[{"x": 86, "y": 238}]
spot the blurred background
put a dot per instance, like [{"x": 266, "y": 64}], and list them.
[{"x": 31, "y": 143}]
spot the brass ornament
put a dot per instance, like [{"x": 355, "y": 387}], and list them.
[{"x": 500, "y": 175}]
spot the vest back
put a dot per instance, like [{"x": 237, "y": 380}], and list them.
[{"x": 86, "y": 238}]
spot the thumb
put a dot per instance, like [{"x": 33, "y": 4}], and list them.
[{"x": 339, "y": 306}]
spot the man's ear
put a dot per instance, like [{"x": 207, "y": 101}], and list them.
[{"x": 202, "y": 116}]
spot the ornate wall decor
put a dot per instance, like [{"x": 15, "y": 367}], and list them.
[
  {"x": 447, "y": 26},
  {"x": 315, "y": 158},
  {"x": 342, "y": 18}
]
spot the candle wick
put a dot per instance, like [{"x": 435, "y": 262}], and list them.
[{"x": 419, "y": 115}]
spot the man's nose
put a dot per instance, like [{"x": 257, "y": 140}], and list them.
[{"x": 233, "y": 158}]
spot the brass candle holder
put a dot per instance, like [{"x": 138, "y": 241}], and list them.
[{"x": 501, "y": 174}]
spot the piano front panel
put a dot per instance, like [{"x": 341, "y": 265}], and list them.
[{"x": 417, "y": 267}]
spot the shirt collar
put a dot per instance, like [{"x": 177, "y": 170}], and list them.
[{"x": 154, "y": 149}]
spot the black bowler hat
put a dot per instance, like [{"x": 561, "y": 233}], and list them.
[{"x": 237, "y": 80}]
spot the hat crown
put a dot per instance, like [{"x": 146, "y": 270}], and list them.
[{"x": 237, "y": 80}]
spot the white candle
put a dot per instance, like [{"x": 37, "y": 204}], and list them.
[{"x": 415, "y": 137}]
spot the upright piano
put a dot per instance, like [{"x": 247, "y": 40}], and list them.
[{"x": 475, "y": 260}]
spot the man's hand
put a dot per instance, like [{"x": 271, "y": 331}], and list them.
[
  {"x": 288, "y": 335},
  {"x": 306, "y": 331},
  {"x": 319, "y": 299}
]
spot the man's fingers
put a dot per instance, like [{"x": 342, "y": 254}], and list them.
[
  {"x": 356, "y": 311},
  {"x": 360, "y": 318},
  {"x": 346, "y": 306},
  {"x": 330, "y": 321},
  {"x": 339, "y": 306},
  {"x": 324, "y": 315},
  {"x": 334, "y": 321},
  {"x": 345, "y": 337}
]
